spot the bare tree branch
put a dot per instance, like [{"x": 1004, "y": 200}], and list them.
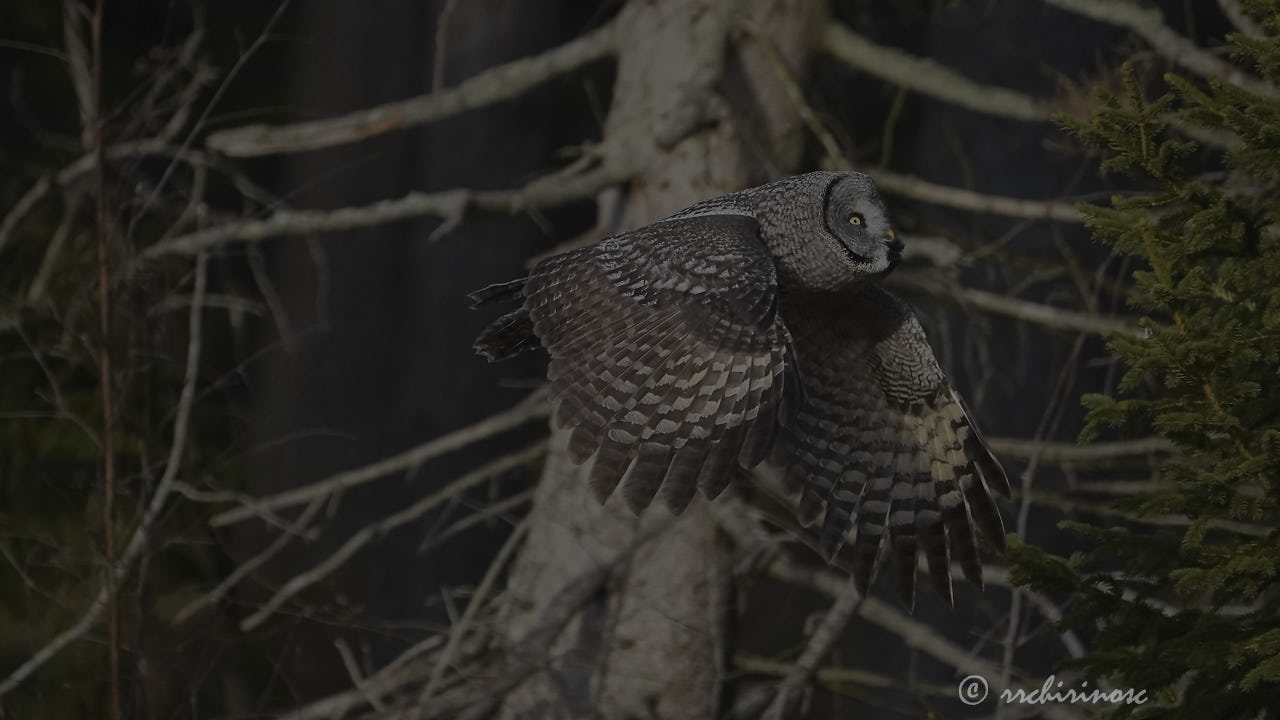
[
  {"x": 925, "y": 76},
  {"x": 1149, "y": 24},
  {"x": 488, "y": 513},
  {"x": 353, "y": 672},
  {"x": 369, "y": 533},
  {"x": 477, "y": 599},
  {"x": 533, "y": 406},
  {"x": 962, "y": 199},
  {"x": 1071, "y": 504},
  {"x": 242, "y": 570},
  {"x": 837, "y": 676},
  {"x": 390, "y": 677},
  {"x": 491, "y": 86},
  {"x": 236, "y": 68},
  {"x": 914, "y": 633},
  {"x": 910, "y": 186},
  {"x": 450, "y": 205},
  {"x": 816, "y": 650},
  {"x": 1092, "y": 454},
  {"x": 1048, "y": 315},
  {"x": 84, "y": 165},
  {"x": 487, "y": 677},
  {"x": 1239, "y": 18}
]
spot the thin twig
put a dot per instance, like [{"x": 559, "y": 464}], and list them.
[
  {"x": 1072, "y": 505},
  {"x": 913, "y": 633},
  {"x": 20, "y": 209},
  {"x": 95, "y": 126},
  {"x": 79, "y": 67},
  {"x": 532, "y": 407},
  {"x": 441, "y": 44},
  {"x": 817, "y": 649},
  {"x": 369, "y": 533},
  {"x": 394, "y": 675},
  {"x": 59, "y": 400},
  {"x": 357, "y": 678},
  {"x": 488, "y": 678},
  {"x": 82, "y": 166},
  {"x": 52, "y": 253},
  {"x": 235, "y": 70},
  {"x": 791, "y": 88},
  {"x": 478, "y": 598},
  {"x": 142, "y": 533},
  {"x": 911, "y": 186},
  {"x": 295, "y": 529},
  {"x": 916, "y": 634},
  {"x": 498, "y": 509}
]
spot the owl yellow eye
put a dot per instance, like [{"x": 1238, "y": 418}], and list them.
[
  {"x": 892, "y": 234},
  {"x": 856, "y": 219}
]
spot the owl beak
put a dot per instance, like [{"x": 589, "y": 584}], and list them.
[{"x": 895, "y": 247}]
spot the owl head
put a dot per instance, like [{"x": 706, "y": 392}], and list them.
[
  {"x": 827, "y": 231},
  {"x": 857, "y": 226}
]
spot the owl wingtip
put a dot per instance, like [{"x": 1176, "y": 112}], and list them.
[
  {"x": 509, "y": 290},
  {"x": 999, "y": 478}
]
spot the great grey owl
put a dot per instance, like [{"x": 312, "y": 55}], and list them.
[{"x": 752, "y": 323}]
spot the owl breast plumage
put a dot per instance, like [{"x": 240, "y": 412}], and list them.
[{"x": 751, "y": 326}]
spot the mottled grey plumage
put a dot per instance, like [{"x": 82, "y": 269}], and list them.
[{"x": 750, "y": 323}]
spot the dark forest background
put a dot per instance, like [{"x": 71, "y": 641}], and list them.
[{"x": 339, "y": 346}]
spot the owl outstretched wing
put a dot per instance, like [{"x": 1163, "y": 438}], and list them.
[
  {"x": 884, "y": 443},
  {"x": 668, "y": 358}
]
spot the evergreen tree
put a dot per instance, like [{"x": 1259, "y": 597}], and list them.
[{"x": 1193, "y": 614}]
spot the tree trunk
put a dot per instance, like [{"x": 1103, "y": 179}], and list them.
[{"x": 694, "y": 112}]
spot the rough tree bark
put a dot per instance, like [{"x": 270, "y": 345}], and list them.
[{"x": 698, "y": 110}]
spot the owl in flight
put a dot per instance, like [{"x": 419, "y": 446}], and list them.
[{"x": 751, "y": 327}]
